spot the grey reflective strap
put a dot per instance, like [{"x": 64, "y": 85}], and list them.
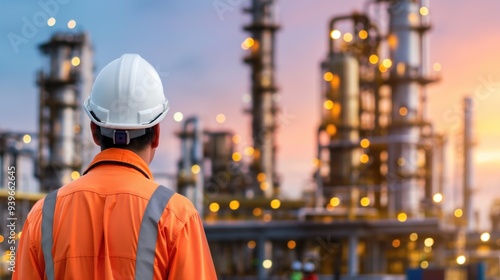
[
  {"x": 146, "y": 245},
  {"x": 49, "y": 205}
]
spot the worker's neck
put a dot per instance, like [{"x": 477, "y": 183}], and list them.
[{"x": 146, "y": 154}]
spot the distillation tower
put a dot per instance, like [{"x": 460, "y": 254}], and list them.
[
  {"x": 408, "y": 130},
  {"x": 63, "y": 137},
  {"x": 468, "y": 161},
  {"x": 374, "y": 140},
  {"x": 190, "y": 177},
  {"x": 264, "y": 108},
  {"x": 209, "y": 162}
]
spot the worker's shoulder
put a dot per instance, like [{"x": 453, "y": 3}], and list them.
[
  {"x": 35, "y": 214},
  {"x": 181, "y": 207},
  {"x": 38, "y": 206}
]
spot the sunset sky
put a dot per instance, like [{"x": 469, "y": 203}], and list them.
[{"x": 197, "y": 51}]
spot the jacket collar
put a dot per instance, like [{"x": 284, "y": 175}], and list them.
[{"x": 121, "y": 157}]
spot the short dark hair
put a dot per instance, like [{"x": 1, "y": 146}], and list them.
[{"x": 136, "y": 144}]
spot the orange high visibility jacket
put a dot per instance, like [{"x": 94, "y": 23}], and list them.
[{"x": 114, "y": 222}]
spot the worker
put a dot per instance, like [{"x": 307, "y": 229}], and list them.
[
  {"x": 309, "y": 273},
  {"x": 296, "y": 271},
  {"x": 115, "y": 222}
]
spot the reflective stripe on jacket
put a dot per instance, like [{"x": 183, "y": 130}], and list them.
[{"x": 103, "y": 227}]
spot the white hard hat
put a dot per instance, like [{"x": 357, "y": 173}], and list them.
[{"x": 127, "y": 95}]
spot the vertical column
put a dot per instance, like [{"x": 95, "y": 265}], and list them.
[
  {"x": 89, "y": 149},
  {"x": 60, "y": 135},
  {"x": 342, "y": 116},
  {"x": 190, "y": 177},
  {"x": 264, "y": 252},
  {"x": 425, "y": 54},
  {"x": 353, "y": 266},
  {"x": 468, "y": 180},
  {"x": 374, "y": 256},
  {"x": 261, "y": 59},
  {"x": 404, "y": 132},
  {"x": 64, "y": 115}
]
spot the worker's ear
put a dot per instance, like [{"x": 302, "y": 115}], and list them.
[
  {"x": 94, "y": 128},
  {"x": 156, "y": 139}
]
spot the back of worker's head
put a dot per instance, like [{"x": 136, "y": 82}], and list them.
[{"x": 126, "y": 102}]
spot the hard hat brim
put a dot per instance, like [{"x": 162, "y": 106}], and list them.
[{"x": 90, "y": 112}]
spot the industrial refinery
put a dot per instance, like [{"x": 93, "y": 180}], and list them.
[{"x": 373, "y": 208}]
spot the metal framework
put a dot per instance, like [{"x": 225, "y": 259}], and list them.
[{"x": 62, "y": 137}]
